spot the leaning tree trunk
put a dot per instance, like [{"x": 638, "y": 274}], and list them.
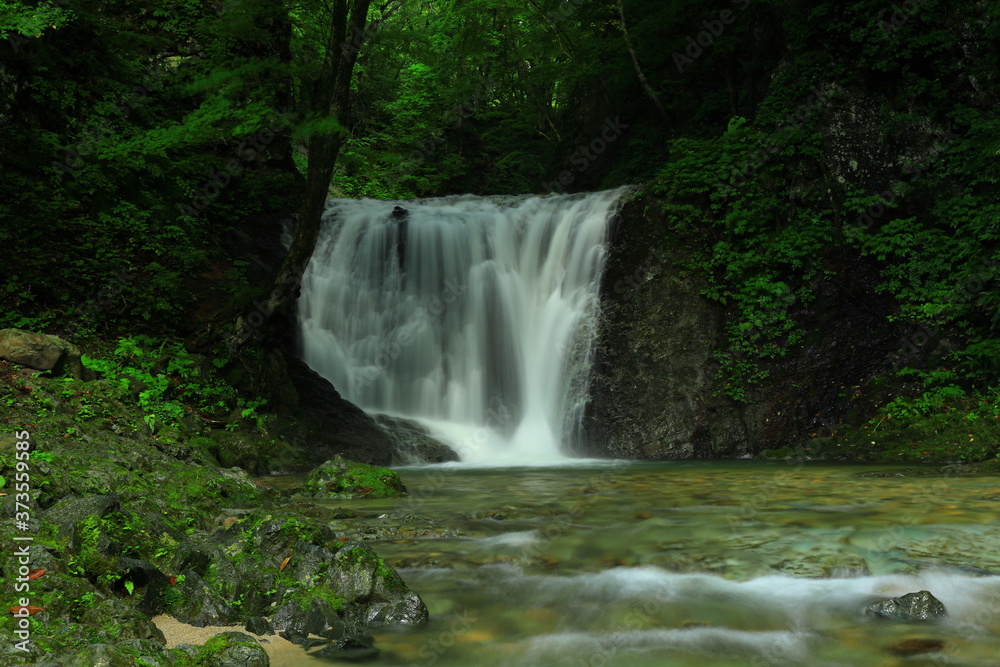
[
  {"x": 272, "y": 319},
  {"x": 638, "y": 68}
]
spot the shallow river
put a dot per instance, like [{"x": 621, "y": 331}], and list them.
[{"x": 634, "y": 564}]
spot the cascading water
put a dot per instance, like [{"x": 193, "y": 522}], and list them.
[{"x": 472, "y": 316}]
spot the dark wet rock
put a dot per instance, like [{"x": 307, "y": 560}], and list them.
[
  {"x": 232, "y": 649},
  {"x": 148, "y": 584},
  {"x": 41, "y": 352},
  {"x": 414, "y": 443},
  {"x": 335, "y": 425},
  {"x": 114, "y": 612},
  {"x": 338, "y": 478},
  {"x": 201, "y": 604},
  {"x": 655, "y": 392},
  {"x": 318, "y": 618},
  {"x": 364, "y": 579},
  {"x": 920, "y": 606},
  {"x": 259, "y": 625},
  {"x": 310, "y": 563}
]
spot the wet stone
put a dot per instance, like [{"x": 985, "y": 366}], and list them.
[
  {"x": 920, "y": 606},
  {"x": 259, "y": 626}
]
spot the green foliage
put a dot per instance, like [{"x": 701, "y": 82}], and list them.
[
  {"x": 112, "y": 149},
  {"x": 759, "y": 251},
  {"x": 168, "y": 383},
  {"x": 340, "y": 478}
]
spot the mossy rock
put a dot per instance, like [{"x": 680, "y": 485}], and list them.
[
  {"x": 339, "y": 478},
  {"x": 227, "y": 649}
]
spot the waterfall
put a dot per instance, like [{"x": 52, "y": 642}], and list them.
[{"x": 473, "y": 316}]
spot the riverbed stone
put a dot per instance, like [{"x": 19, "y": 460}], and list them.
[
  {"x": 916, "y": 645},
  {"x": 912, "y": 607}
]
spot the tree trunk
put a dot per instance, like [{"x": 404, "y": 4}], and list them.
[
  {"x": 638, "y": 68},
  {"x": 272, "y": 319}
]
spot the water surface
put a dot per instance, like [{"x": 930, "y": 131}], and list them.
[{"x": 742, "y": 563}]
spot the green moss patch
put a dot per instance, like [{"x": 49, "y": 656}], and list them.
[{"x": 339, "y": 478}]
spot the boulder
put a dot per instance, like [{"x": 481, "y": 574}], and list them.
[
  {"x": 245, "y": 571},
  {"x": 41, "y": 352},
  {"x": 920, "y": 606},
  {"x": 201, "y": 605},
  {"x": 232, "y": 649},
  {"x": 414, "y": 443},
  {"x": 338, "y": 478},
  {"x": 373, "y": 588},
  {"x": 258, "y": 625}
]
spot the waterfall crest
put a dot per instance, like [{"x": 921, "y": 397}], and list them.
[{"x": 473, "y": 316}]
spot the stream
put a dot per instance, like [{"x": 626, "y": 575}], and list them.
[{"x": 603, "y": 563}]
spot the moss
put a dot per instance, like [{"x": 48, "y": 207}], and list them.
[
  {"x": 321, "y": 592},
  {"x": 339, "y": 478},
  {"x": 210, "y": 649},
  {"x": 389, "y": 576},
  {"x": 88, "y": 559}
]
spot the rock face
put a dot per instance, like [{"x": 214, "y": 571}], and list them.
[
  {"x": 41, "y": 352},
  {"x": 920, "y": 606},
  {"x": 654, "y": 393},
  {"x": 318, "y": 421},
  {"x": 651, "y": 393}
]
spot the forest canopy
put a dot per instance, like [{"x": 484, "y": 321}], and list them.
[{"x": 146, "y": 142}]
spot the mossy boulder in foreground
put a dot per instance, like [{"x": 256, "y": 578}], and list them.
[
  {"x": 339, "y": 478},
  {"x": 228, "y": 649}
]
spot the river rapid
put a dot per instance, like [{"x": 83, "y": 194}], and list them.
[{"x": 603, "y": 563}]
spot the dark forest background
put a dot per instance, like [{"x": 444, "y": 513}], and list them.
[{"x": 153, "y": 153}]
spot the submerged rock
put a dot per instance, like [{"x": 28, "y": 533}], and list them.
[{"x": 920, "y": 606}]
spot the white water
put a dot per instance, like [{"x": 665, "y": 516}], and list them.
[{"x": 472, "y": 316}]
